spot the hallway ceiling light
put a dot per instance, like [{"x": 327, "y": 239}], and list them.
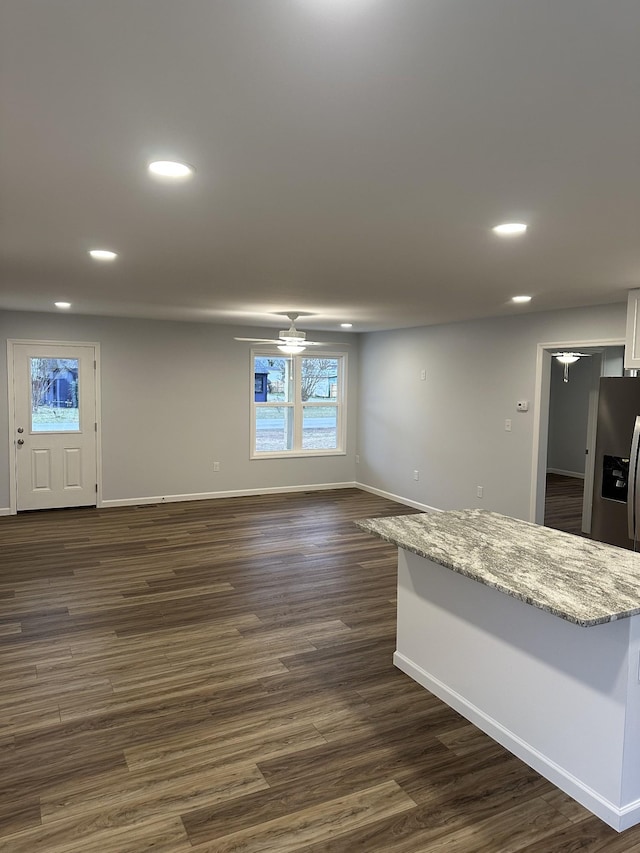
[
  {"x": 346, "y": 325},
  {"x": 521, "y": 299},
  {"x": 567, "y": 358},
  {"x": 62, "y": 305},
  {"x": 510, "y": 229}
]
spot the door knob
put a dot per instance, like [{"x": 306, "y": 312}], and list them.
[
  {"x": 21, "y": 441},
  {"x": 20, "y": 429}
]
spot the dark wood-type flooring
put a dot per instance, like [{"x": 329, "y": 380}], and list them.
[
  {"x": 563, "y": 503},
  {"x": 217, "y": 676}
]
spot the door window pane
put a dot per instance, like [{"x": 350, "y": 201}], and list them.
[
  {"x": 319, "y": 427},
  {"x": 273, "y": 379},
  {"x": 54, "y": 395},
  {"x": 274, "y": 428}
]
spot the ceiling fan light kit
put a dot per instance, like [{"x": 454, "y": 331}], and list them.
[{"x": 291, "y": 349}]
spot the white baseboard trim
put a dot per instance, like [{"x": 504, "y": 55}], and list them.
[
  {"x": 564, "y": 473},
  {"x": 235, "y": 493},
  {"x": 5, "y": 510},
  {"x": 396, "y": 498},
  {"x": 620, "y": 818}
]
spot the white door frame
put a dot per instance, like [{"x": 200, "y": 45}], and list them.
[
  {"x": 13, "y": 458},
  {"x": 541, "y": 416},
  {"x": 592, "y": 423}
]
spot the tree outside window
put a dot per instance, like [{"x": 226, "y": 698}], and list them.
[{"x": 54, "y": 394}]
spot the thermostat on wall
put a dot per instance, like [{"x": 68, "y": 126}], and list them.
[{"x": 522, "y": 405}]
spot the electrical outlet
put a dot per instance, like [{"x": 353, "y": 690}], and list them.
[
  {"x": 357, "y": 458},
  {"x": 507, "y": 424},
  {"x": 416, "y": 474},
  {"x": 216, "y": 466},
  {"x": 423, "y": 375},
  {"x": 479, "y": 491}
]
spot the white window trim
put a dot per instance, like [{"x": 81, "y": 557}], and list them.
[{"x": 297, "y": 405}]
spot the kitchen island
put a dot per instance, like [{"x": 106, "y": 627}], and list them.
[{"x": 534, "y": 636}]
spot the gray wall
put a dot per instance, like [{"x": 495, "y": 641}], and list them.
[
  {"x": 451, "y": 426},
  {"x": 175, "y": 397},
  {"x": 612, "y": 362}
]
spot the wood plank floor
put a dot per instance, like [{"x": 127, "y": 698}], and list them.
[
  {"x": 563, "y": 503},
  {"x": 217, "y": 676}
]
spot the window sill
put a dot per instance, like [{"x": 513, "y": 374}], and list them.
[{"x": 297, "y": 454}]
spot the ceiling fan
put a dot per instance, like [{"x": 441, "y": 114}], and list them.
[
  {"x": 567, "y": 358},
  {"x": 291, "y": 340}
]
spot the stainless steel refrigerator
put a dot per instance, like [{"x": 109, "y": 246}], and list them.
[{"x": 616, "y": 492}]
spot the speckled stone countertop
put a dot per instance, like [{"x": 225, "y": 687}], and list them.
[{"x": 584, "y": 582}]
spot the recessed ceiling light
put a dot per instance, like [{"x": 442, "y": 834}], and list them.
[
  {"x": 510, "y": 229},
  {"x": 170, "y": 169},
  {"x": 62, "y": 304},
  {"x": 102, "y": 254},
  {"x": 337, "y": 7},
  {"x": 521, "y": 299},
  {"x": 346, "y": 325}
]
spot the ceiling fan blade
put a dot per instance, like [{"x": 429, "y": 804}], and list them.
[
  {"x": 279, "y": 342},
  {"x": 325, "y": 344},
  {"x": 259, "y": 340}
]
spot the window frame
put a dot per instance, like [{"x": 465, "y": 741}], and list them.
[{"x": 297, "y": 405}]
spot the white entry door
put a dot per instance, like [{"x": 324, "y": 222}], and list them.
[{"x": 55, "y": 428}]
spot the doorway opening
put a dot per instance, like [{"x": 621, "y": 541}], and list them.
[{"x": 565, "y": 428}]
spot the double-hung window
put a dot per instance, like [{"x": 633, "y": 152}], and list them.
[{"x": 297, "y": 404}]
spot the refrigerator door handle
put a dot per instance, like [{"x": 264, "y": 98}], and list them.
[{"x": 633, "y": 475}]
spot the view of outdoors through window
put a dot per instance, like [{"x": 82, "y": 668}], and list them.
[
  {"x": 296, "y": 403},
  {"x": 54, "y": 395}
]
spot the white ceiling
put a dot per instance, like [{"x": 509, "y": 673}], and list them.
[{"x": 351, "y": 156}]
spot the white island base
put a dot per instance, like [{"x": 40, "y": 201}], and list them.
[{"x": 563, "y": 698}]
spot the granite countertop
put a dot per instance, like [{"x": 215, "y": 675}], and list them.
[{"x": 584, "y": 582}]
